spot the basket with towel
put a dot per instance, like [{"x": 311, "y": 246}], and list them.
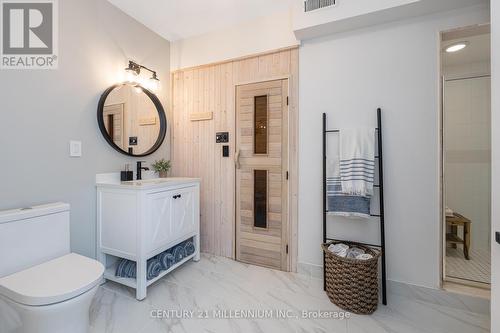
[{"x": 351, "y": 273}]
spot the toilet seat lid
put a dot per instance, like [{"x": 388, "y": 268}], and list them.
[{"x": 53, "y": 281}]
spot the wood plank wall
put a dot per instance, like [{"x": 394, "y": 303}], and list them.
[{"x": 211, "y": 88}]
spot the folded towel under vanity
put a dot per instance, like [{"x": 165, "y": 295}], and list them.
[
  {"x": 131, "y": 269},
  {"x": 189, "y": 247},
  {"x": 163, "y": 261},
  {"x": 179, "y": 253},
  {"x": 357, "y": 161},
  {"x": 166, "y": 259},
  {"x": 153, "y": 268},
  {"x": 127, "y": 269}
]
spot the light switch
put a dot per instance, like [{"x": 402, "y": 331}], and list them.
[{"x": 75, "y": 148}]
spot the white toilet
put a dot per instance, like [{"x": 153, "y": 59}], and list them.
[{"x": 43, "y": 287}]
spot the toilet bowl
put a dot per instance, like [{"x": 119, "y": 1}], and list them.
[{"x": 43, "y": 287}]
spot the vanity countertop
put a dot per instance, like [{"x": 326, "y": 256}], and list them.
[{"x": 146, "y": 184}]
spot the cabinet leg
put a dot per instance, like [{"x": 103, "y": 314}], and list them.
[
  {"x": 197, "y": 247},
  {"x": 141, "y": 280}
]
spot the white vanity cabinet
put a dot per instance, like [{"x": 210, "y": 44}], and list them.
[{"x": 138, "y": 220}]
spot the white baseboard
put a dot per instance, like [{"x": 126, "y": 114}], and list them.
[{"x": 429, "y": 295}]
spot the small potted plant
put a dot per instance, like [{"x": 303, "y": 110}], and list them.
[{"x": 162, "y": 167}]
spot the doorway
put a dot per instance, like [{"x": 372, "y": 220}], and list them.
[
  {"x": 466, "y": 156},
  {"x": 261, "y": 161}
]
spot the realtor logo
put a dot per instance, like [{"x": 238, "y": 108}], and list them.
[{"x": 29, "y": 34}]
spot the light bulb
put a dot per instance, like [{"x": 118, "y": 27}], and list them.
[
  {"x": 456, "y": 47},
  {"x": 130, "y": 75}
]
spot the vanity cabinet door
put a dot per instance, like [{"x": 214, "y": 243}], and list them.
[
  {"x": 159, "y": 222},
  {"x": 183, "y": 221}
]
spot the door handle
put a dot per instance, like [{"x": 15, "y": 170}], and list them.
[
  {"x": 177, "y": 196},
  {"x": 497, "y": 237},
  {"x": 237, "y": 159}
]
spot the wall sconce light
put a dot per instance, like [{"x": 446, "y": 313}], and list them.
[{"x": 132, "y": 75}]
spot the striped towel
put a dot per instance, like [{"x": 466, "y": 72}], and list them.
[
  {"x": 357, "y": 161},
  {"x": 346, "y": 205}
]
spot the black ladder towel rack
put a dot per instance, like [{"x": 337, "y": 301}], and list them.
[{"x": 380, "y": 186}]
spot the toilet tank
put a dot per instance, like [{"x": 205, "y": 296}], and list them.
[{"x": 30, "y": 236}]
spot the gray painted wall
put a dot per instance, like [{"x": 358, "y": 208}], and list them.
[
  {"x": 41, "y": 111},
  {"x": 394, "y": 66}
]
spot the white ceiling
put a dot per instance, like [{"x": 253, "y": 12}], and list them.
[
  {"x": 477, "y": 50},
  {"x": 179, "y": 19}
]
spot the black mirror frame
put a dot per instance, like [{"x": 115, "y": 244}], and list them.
[{"x": 159, "y": 109}]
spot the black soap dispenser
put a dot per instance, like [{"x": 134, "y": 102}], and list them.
[{"x": 127, "y": 175}]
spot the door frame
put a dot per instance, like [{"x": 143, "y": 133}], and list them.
[
  {"x": 291, "y": 220},
  {"x": 443, "y": 279}
]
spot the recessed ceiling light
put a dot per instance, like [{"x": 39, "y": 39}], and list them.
[{"x": 456, "y": 47}]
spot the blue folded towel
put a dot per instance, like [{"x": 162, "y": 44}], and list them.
[
  {"x": 179, "y": 253},
  {"x": 344, "y": 204},
  {"x": 166, "y": 259},
  {"x": 126, "y": 268},
  {"x": 131, "y": 269},
  {"x": 189, "y": 247},
  {"x": 153, "y": 268},
  {"x": 120, "y": 268}
]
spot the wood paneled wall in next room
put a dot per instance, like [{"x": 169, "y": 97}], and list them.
[{"x": 209, "y": 91}]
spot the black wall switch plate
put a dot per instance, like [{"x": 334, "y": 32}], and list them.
[
  {"x": 222, "y": 137},
  {"x": 497, "y": 236},
  {"x": 132, "y": 141},
  {"x": 225, "y": 151}
]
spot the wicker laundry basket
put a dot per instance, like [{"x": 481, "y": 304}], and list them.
[{"x": 352, "y": 284}]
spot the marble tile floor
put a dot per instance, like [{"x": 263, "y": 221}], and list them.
[{"x": 206, "y": 296}]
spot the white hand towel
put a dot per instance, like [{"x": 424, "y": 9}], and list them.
[
  {"x": 364, "y": 256},
  {"x": 354, "y": 252},
  {"x": 339, "y": 249},
  {"x": 357, "y": 161}
]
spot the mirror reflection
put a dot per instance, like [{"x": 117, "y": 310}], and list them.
[{"x": 131, "y": 119}]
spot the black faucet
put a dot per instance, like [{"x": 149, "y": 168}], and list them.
[{"x": 140, "y": 168}]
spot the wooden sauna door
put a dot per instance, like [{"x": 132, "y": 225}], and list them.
[{"x": 261, "y": 160}]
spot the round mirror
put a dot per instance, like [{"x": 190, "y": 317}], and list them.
[{"x": 132, "y": 119}]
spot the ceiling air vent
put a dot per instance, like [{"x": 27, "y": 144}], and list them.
[{"x": 310, "y": 5}]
